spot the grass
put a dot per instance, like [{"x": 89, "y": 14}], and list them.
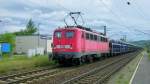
[
  {"x": 23, "y": 62},
  {"x": 149, "y": 55},
  {"x": 125, "y": 74}
]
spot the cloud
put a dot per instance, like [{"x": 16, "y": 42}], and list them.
[
  {"x": 55, "y": 15},
  {"x": 115, "y": 14},
  {"x": 11, "y": 28}
]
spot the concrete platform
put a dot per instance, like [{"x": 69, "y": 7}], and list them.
[{"x": 142, "y": 75}]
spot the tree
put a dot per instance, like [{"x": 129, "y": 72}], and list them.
[{"x": 30, "y": 29}]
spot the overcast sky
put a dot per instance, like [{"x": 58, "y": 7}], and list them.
[{"x": 120, "y": 18}]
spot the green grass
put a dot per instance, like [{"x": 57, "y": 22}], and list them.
[
  {"x": 23, "y": 62},
  {"x": 149, "y": 55}
]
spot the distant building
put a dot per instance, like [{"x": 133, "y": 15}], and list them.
[{"x": 26, "y": 42}]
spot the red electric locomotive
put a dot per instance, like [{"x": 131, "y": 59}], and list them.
[{"x": 77, "y": 44}]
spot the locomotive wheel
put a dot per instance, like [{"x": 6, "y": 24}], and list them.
[
  {"x": 77, "y": 61},
  {"x": 65, "y": 62},
  {"x": 61, "y": 62},
  {"x": 68, "y": 62},
  {"x": 83, "y": 59},
  {"x": 90, "y": 59},
  {"x": 95, "y": 57}
]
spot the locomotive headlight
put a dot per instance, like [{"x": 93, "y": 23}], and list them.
[
  {"x": 68, "y": 46},
  {"x": 64, "y": 46},
  {"x": 58, "y": 46}
]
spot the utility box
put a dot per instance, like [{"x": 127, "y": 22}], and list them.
[
  {"x": 5, "y": 47},
  {"x": 0, "y": 47}
]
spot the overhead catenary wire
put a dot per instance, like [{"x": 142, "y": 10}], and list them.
[
  {"x": 142, "y": 32},
  {"x": 138, "y": 10},
  {"x": 113, "y": 13},
  {"x": 60, "y": 5},
  {"x": 134, "y": 29},
  {"x": 136, "y": 6},
  {"x": 122, "y": 25},
  {"x": 140, "y": 13},
  {"x": 103, "y": 3},
  {"x": 69, "y": 11}
]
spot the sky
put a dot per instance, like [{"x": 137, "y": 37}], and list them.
[{"x": 120, "y": 18}]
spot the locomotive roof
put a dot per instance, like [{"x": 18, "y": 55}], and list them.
[{"x": 83, "y": 28}]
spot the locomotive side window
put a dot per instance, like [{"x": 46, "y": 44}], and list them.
[
  {"x": 106, "y": 40},
  {"x": 69, "y": 34},
  {"x": 99, "y": 38},
  {"x": 95, "y": 37},
  {"x": 87, "y": 36},
  {"x": 91, "y": 37},
  {"x": 102, "y": 39},
  {"x": 83, "y": 35},
  {"x": 58, "y": 34}
]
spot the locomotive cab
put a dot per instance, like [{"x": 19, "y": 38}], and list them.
[
  {"x": 65, "y": 44},
  {"x": 64, "y": 39}
]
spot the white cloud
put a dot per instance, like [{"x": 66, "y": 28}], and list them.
[
  {"x": 7, "y": 21},
  {"x": 55, "y": 15},
  {"x": 86, "y": 6},
  {"x": 50, "y": 13},
  {"x": 11, "y": 28},
  {"x": 7, "y": 13},
  {"x": 36, "y": 12}
]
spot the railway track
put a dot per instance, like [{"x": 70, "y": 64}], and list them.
[
  {"x": 28, "y": 76},
  {"x": 100, "y": 74},
  {"x": 14, "y": 78},
  {"x": 65, "y": 75},
  {"x": 88, "y": 71}
]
